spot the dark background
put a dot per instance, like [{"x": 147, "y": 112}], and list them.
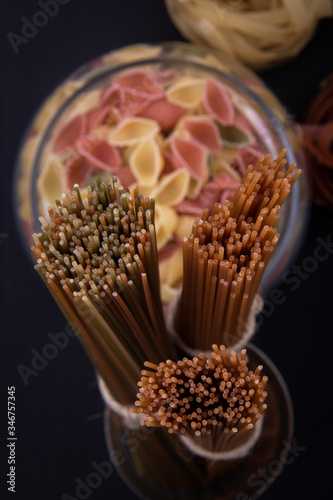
[{"x": 59, "y": 416}]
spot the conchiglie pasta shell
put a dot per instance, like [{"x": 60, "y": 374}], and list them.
[
  {"x": 168, "y": 292},
  {"x": 186, "y": 93},
  {"x": 204, "y": 130},
  {"x": 228, "y": 154},
  {"x": 190, "y": 155},
  {"x": 127, "y": 153},
  {"x": 145, "y": 191},
  {"x": 184, "y": 226},
  {"x": 165, "y": 223},
  {"x": 146, "y": 162},
  {"x": 88, "y": 101},
  {"x": 234, "y": 137},
  {"x": 68, "y": 133},
  {"x": 50, "y": 183},
  {"x": 171, "y": 273},
  {"x": 220, "y": 164},
  {"x": 177, "y": 132},
  {"x": 194, "y": 187},
  {"x": 139, "y": 82},
  {"x": 132, "y": 130},
  {"x": 217, "y": 102},
  {"x": 172, "y": 187},
  {"x": 77, "y": 170}
]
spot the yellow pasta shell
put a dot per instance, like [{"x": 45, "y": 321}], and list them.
[
  {"x": 168, "y": 292},
  {"x": 132, "y": 130},
  {"x": 184, "y": 225},
  {"x": 171, "y": 274},
  {"x": 194, "y": 187},
  {"x": 88, "y": 101},
  {"x": 165, "y": 223},
  {"x": 146, "y": 162},
  {"x": 145, "y": 191},
  {"x": 221, "y": 164},
  {"x": 50, "y": 182},
  {"x": 173, "y": 187},
  {"x": 186, "y": 93}
]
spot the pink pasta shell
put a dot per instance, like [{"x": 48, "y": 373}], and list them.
[
  {"x": 204, "y": 131},
  {"x": 77, "y": 171},
  {"x": 138, "y": 88},
  {"x": 164, "y": 112},
  {"x": 247, "y": 156},
  {"x": 191, "y": 155},
  {"x": 168, "y": 250},
  {"x": 187, "y": 207},
  {"x": 125, "y": 176},
  {"x": 134, "y": 104},
  {"x": 69, "y": 132},
  {"x": 227, "y": 195},
  {"x": 217, "y": 102},
  {"x": 212, "y": 192},
  {"x": 99, "y": 153},
  {"x": 112, "y": 96},
  {"x": 243, "y": 124},
  {"x": 170, "y": 162},
  {"x": 96, "y": 116},
  {"x": 140, "y": 82}
]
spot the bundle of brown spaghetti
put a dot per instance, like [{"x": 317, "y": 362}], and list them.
[
  {"x": 317, "y": 135},
  {"x": 226, "y": 255},
  {"x": 216, "y": 402},
  {"x": 98, "y": 257}
]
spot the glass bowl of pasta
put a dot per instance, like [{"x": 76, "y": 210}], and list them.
[{"x": 177, "y": 121}]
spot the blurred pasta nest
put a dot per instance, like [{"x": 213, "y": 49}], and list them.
[{"x": 259, "y": 33}]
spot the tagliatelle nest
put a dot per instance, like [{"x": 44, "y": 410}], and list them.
[{"x": 258, "y": 33}]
